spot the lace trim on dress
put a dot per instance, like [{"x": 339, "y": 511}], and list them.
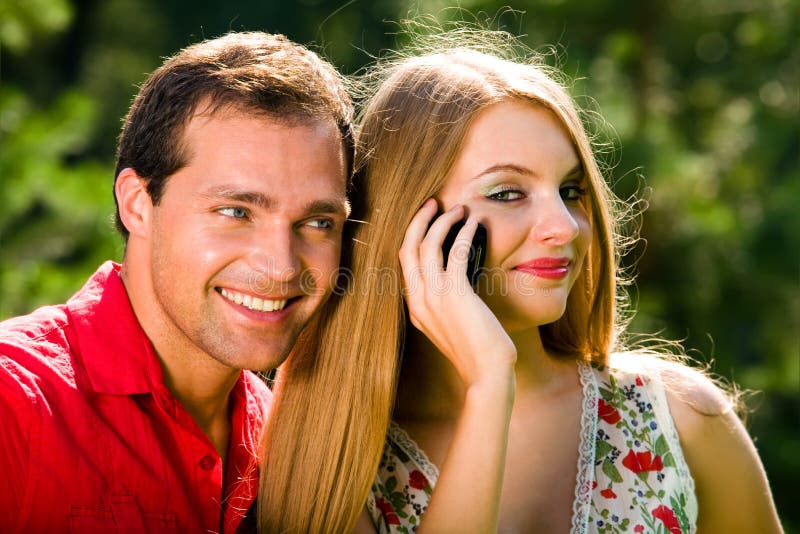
[
  {"x": 586, "y": 450},
  {"x": 413, "y": 451},
  {"x": 372, "y": 506},
  {"x": 658, "y": 399}
]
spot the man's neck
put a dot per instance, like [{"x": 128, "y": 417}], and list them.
[
  {"x": 199, "y": 382},
  {"x": 207, "y": 398}
]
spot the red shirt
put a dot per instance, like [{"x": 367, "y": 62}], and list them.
[{"x": 91, "y": 440}]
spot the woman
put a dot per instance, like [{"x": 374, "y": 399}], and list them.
[{"x": 520, "y": 390}]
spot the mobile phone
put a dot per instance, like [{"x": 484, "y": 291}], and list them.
[{"x": 477, "y": 250}]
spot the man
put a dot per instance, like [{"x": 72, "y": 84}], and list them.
[{"x": 126, "y": 409}]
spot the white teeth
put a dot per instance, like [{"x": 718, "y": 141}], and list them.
[{"x": 253, "y": 303}]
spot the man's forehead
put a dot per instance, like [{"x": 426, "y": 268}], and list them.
[
  {"x": 207, "y": 110},
  {"x": 208, "y": 125},
  {"x": 229, "y": 153}
]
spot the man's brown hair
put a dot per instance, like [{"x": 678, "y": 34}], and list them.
[{"x": 253, "y": 72}]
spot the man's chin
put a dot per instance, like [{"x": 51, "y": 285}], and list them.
[{"x": 253, "y": 356}]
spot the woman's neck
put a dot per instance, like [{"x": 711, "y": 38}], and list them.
[
  {"x": 537, "y": 369},
  {"x": 430, "y": 387}
]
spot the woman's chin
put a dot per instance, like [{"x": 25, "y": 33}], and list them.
[{"x": 519, "y": 320}]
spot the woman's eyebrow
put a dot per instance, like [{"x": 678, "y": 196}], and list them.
[
  {"x": 506, "y": 167},
  {"x": 575, "y": 171},
  {"x": 519, "y": 169}
]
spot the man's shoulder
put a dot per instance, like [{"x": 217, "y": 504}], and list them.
[
  {"x": 41, "y": 333},
  {"x": 31, "y": 347},
  {"x": 45, "y": 340}
]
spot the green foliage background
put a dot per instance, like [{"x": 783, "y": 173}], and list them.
[{"x": 702, "y": 96}]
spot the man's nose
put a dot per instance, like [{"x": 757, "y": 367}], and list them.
[{"x": 274, "y": 255}]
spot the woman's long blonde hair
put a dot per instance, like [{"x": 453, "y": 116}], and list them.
[{"x": 335, "y": 395}]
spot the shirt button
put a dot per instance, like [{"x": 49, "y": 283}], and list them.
[{"x": 207, "y": 463}]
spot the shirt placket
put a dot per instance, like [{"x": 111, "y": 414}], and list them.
[
  {"x": 208, "y": 475},
  {"x": 203, "y": 465}
]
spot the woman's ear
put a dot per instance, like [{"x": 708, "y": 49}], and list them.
[{"x": 135, "y": 205}]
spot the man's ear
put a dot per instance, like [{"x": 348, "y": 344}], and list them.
[{"x": 135, "y": 205}]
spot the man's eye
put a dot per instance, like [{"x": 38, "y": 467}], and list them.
[
  {"x": 236, "y": 213},
  {"x": 322, "y": 224},
  {"x": 572, "y": 193}
]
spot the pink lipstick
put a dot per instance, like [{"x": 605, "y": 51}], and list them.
[{"x": 549, "y": 268}]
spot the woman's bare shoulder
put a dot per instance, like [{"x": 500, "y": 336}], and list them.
[
  {"x": 713, "y": 439},
  {"x": 691, "y": 391}
]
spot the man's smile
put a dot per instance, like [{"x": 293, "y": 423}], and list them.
[{"x": 253, "y": 303}]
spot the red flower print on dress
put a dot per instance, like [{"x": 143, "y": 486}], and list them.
[
  {"x": 639, "y": 383},
  {"x": 608, "y": 493},
  {"x": 388, "y": 512},
  {"x": 638, "y": 528},
  {"x": 639, "y": 462},
  {"x": 417, "y": 480},
  {"x": 667, "y": 517},
  {"x": 608, "y": 413}
]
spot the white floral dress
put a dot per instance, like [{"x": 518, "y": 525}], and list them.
[{"x": 632, "y": 476}]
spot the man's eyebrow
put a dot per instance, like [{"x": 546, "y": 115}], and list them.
[
  {"x": 337, "y": 206},
  {"x": 334, "y": 206},
  {"x": 239, "y": 195}
]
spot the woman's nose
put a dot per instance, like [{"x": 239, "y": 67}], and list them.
[{"x": 554, "y": 224}]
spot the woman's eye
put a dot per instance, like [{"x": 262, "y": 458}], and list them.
[
  {"x": 505, "y": 195},
  {"x": 572, "y": 193},
  {"x": 236, "y": 213}
]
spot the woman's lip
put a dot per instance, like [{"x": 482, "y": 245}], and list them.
[
  {"x": 550, "y": 268},
  {"x": 544, "y": 263}
]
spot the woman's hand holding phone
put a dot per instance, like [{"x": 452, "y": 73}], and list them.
[{"x": 442, "y": 303}]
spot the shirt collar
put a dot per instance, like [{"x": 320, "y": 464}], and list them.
[
  {"x": 251, "y": 402},
  {"x": 118, "y": 357}
]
